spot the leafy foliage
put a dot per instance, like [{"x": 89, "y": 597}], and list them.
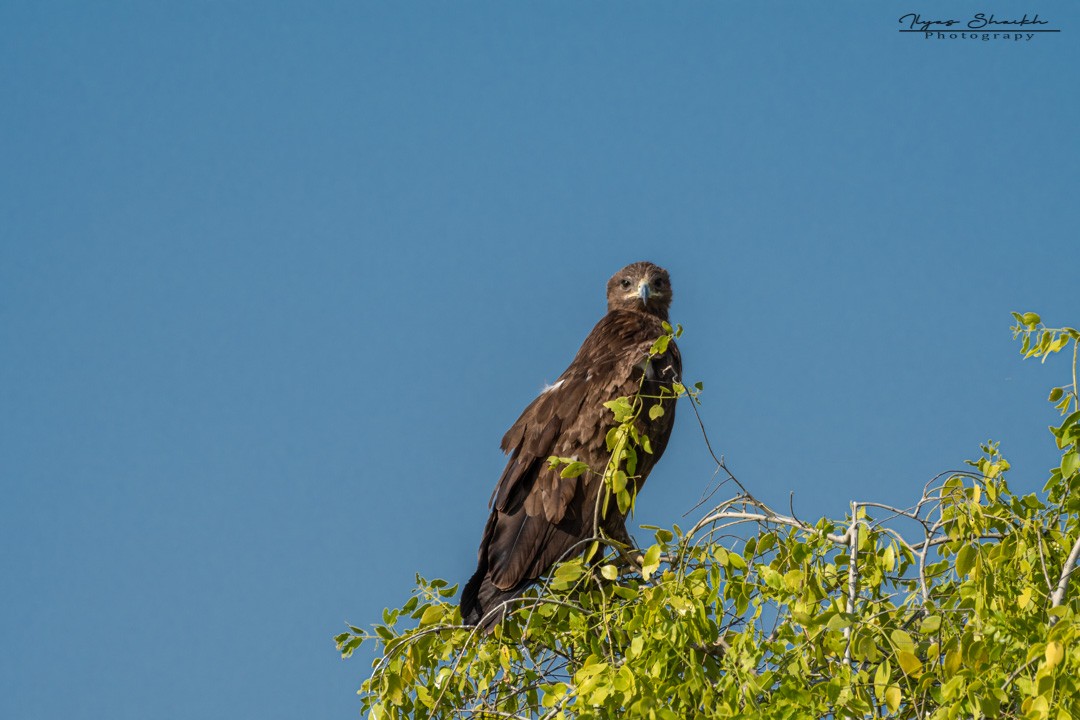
[{"x": 956, "y": 607}]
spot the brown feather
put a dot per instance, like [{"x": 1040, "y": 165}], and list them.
[{"x": 538, "y": 517}]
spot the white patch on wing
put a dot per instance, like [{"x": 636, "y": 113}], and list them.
[{"x": 549, "y": 388}]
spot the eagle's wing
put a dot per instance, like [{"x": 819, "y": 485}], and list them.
[{"x": 537, "y": 516}]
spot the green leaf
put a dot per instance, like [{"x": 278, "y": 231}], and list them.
[
  {"x": 432, "y": 615},
  {"x": 621, "y": 407},
  {"x": 651, "y": 562},
  {"x": 838, "y": 622},
  {"x": 569, "y": 571},
  {"x": 892, "y": 698},
  {"x": 1054, "y": 653},
  {"x": 902, "y": 641},
  {"x": 888, "y": 559},
  {"x": 953, "y": 660},
  {"x": 614, "y": 435},
  {"x": 965, "y": 559},
  {"x": 881, "y": 678},
  {"x": 1031, "y": 320},
  {"x": 1070, "y": 463},
  {"x": 656, "y": 411},
  {"x": 930, "y": 625},
  {"x": 909, "y": 663},
  {"x": 574, "y": 469},
  {"x": 610, "y": 572}
]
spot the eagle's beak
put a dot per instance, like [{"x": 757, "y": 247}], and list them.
[{"x": 644, "y": 291}]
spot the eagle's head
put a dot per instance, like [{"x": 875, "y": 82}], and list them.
[{"x": 642, "y": 287}]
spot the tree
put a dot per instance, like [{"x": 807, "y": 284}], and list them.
[{"x": 956, "y": 607}]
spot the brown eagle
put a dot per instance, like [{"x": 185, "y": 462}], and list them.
[{"x": 537, "y": 517}]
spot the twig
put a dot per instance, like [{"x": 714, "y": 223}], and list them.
[
  {"x": 718, "y": 460},
  {"x": 853, "y": 574}
]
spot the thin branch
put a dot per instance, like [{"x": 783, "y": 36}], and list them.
[
  {"x": 1066, "y": 573},
  {"x": 772, "y": 517},
  {"x": 1042, "y": 563},
  {"x": 490, "y": 711},
  {"x": 718, "y": 460},
  {"x": 853, "y": 574}
]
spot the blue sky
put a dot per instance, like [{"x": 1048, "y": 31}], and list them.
[{"x": 275, "y": 278}]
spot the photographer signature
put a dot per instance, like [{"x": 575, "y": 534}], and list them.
[{"x": 978, "y": 21}]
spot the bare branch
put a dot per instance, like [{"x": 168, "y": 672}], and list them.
[
  {"x": 853, "y": 574},
  {"x": 1058, "y": 597}
]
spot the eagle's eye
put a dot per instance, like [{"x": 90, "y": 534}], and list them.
[
  {"x": 660, "y": 282},
  {"x": 625, "y": 282}
]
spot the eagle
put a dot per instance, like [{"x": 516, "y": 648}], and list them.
[{"x": 539, "y": 517}]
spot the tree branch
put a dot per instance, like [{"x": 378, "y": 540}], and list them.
[
  {"x": 853, "y": 574},
  {"x": 1066, "y": 572}
]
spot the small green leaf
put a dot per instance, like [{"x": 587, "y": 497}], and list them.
[
  {"x": 651, "y": 561},
  {"x": 432, "y": 615},
  {"x": 574, "y": 469},
  {"x": 892, "y": 698},
  {"x": 902, "y": 641},
  {"x": 838, "y": 622},
  {"x": 965, "y": 559},
  {"x": 881, "y": 678},
  {"x": 656, "y": 411},
  {"x": 1031, "y": 319},
  {"x": 1070, "y": 463},
  {"x": 909, "y": 663},
  {"x": 621, "y": 408},
  {"x": 569, "y": 571},
  {"x": 888, "y": 559},
  {"x": 953, "y": 660},
  {"x": 610, "y": 572},
  {"x": 1054, "y": 653},
  {"x": 613, "y": 437}
]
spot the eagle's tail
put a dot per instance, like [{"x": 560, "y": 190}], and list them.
[{"x": 482, "y": 603}]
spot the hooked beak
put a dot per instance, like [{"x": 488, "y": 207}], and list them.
[{"x": 644, "y": 291}]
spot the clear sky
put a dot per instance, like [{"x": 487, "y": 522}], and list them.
[{"x": 276, "y": 277}]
